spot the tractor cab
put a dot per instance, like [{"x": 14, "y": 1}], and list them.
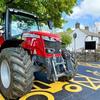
[
  {"x": 16, "y": 22},
  {"x": 26, "y": 29}
]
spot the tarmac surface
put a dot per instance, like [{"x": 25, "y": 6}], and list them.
[{"x": 85, "y": 86}]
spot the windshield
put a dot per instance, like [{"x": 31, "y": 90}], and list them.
[
  {"x": 43, "y": 26},
  {"x": 20, "y": 24}
]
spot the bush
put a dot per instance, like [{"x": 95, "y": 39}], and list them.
[{"x": 66, "y": 38}]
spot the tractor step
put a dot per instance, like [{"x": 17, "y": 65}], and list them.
[
  {"x": 61, "y": 74},
  {"x": 60, "y": 63}
]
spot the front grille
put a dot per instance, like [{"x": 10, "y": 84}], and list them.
[
  {"x": 54, "y": 45},
  {"x": 59, "y": 59}
]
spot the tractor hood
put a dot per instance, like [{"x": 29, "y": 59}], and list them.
[{"x": 43, "y": 34}]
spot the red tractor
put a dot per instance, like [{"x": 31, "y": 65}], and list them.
[{"x": 25, "y": 49}]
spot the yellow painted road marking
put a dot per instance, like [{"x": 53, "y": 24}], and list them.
[
  {"x": 98, "y": 87},
  {"x": 76, "y": 88},
  {"x": 35, "y": 86},
  {"x": 57, "y": 86},
  {"x": 89, "y": 65},
  {"x": 48, "y": 95},
  {"x": 84, "y": 76},
  {"x": 97, "y": 82},
  {"x": 54, "y": 87},
  {"x": 1, "y": 97},
  {"x": 96, "y": 73},
  {"x": 91, "y": 84},
  {"x": 41, "y": 82}
]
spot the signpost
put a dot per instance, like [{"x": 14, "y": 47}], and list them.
[{"x": 75, "y": 36}]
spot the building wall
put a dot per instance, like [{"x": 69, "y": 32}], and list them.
[
  {"x": 97, "y": 26},
  {"x": 79, "y": 42}
]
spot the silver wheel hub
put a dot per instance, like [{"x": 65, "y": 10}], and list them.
[{"x": 5, "y": 74}]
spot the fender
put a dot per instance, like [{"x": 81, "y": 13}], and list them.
[
  {"x": 9, "y": 43},
  {"x": 1, "y": 40}
]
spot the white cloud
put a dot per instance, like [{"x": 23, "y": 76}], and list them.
[{"x": 87, "y": 7}]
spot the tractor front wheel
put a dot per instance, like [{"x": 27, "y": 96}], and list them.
[
  {"x": 16, "y": 73},
  {"x": 71, "y": 64}
]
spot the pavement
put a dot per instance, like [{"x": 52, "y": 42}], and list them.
[{"x": 85, "y": 86}]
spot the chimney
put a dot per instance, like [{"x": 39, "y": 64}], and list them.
[
  {"x": 87, "y": 28},
  {"x": 77, "y": 25}
]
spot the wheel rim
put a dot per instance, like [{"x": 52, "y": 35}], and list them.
[{"x": 5, "y": 74}]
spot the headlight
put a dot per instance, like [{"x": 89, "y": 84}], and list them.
[
  {"x": 50, "y": 50},
  {"x": 59, "y": 50},
  {"x": 48, "y": 38}
]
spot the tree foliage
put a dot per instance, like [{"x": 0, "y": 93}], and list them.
[
  {"x": 66, "y": 37},
  {"x": 46, "y": 9}
]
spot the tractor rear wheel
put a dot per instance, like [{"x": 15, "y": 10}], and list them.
[
  {"x": 16, "y": 72},
  {"x": 71, "y": 64}
]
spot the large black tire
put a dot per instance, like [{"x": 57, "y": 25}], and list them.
[
  {"x": 21, "y": 72},
  {"x": 71, "y": 64}
]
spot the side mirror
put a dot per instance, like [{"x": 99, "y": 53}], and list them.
[
  {"x": 50, "y": 24},
  {"x": 1, "y": 27}
]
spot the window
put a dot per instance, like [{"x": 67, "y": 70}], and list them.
[
  {"x": 20, "y": 24},
  {"x": 43, "y": 26}
]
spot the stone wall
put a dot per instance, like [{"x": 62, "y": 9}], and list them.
[{"x": 88, "y": 57}]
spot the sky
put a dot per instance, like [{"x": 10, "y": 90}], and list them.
[{"x": 86, "y": 12}]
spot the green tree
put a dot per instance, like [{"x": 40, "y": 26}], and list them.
[
  {"x": 66, "y": 37},
  {"x": 46, "y": 9}
]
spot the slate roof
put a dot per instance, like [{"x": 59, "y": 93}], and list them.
[{"x": 88, "y": 33}]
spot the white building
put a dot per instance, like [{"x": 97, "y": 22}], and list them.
[
  {"x": 82, "y": 36},
  {"x": 97, "y": 26}
]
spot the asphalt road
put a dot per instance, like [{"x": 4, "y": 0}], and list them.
[{"x": 85, "y": 86}]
